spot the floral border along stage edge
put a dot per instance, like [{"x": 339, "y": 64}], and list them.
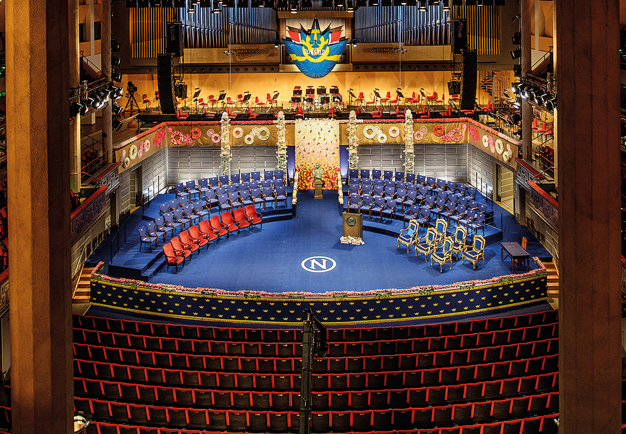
[{"x": 317, "y": 141}]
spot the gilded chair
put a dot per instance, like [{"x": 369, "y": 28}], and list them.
[
  {"x": 426, "y": 244},
  {"x": 477, "y": 252},
  {"x": 441, "y": 228},
  {"x": 408, "y": 235},
  {"x": 444, "y": 255},
  {"x": 458, "y": 245}
]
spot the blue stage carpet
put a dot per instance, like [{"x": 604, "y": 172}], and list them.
[{"x": 269, "y": 259}]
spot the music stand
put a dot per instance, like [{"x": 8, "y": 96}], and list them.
[
  {"x": 297, "y": 91},
  {"x": 352, "y": 96},
  {"x": 246, "y": 99},
  {"x": 194, "y": 98},
  {"x": 222, "y": 99}
]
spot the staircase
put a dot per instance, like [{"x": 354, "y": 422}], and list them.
[
  {"x": 82, "y": 291},
  {"x": 553, "y": 280}
]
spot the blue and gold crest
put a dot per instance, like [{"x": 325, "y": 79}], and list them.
[{"x": 315, "y": 52}]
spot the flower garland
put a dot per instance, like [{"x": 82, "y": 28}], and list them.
[
  {"x": 132, "y": 153},
  {"x": 486, "y": 141},
  {"x": 146, "y": 145},
  {"x": 439, "y": 130},
  {"x": 159, "y": 137},
  {"x": 394, "y": 132},
  {"x": 357, "y": 241},
  {"x": 454, "y": 135},
  {"x": 294, "y": 193},
  {"x": 281, "y": 145},
  {"x": 353, "y": 142},
  {"x": 382, "y": 137},
  {"x": 340, "y": 190},
  {"x": 176, "y": 137},
  {"x": 370, "y": 131},
  {"x": 187, "y": 140},
  {"x": 474, "y": 133},
  {"x": 196, "y": 133},
  {"x": 492, "y": 148},
  {"x": 210, "y": 132},
  {"x": 409, "y": 151},
  {"x": 499, "y": 146},
  {"x": 225, "y": 150},
  {"x": 238, "y": 133},
  {"x": 263, "y": 133},
  {"x": 419, "y": 134}
]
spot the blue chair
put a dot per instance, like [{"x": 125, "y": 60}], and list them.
[
  {"x": 214, "y": 182},
  {"x": 281, "y": 194},
  {"x": 189, "y": 214},
  {"x": 458, "y": 214},
  {"x": 353, "y": 173},
  {"x": 399, "y": 176},
  {"x": 366, "y": 203},
  {"x": 439, "y": 186},
  {"x": 401, "y": 185},
  {"x": 211, "y": 198},
  {"x": 408, "y": 235},
  {"x": 412, "y": 213},
  {"x": 410, "y": 199},
  {"x": 266, "y": 183},
  {"x": 461, "y": 188},
  {"x": 164, "y": 208},
  {"x": 220, "y": 190},
  {"x": 477, "y": 251},
  {"x": 234, "y": 179},
  {"x": 400, "y": 196},
  {"x": 354, "y": 203},
  {"x": 388, "y": 175},
  {"x": 151, "y": 227},
  {"x": 354, "y": 189},
  {"x": 180, "y": 216},
  {"x": 476, "y": 223},
  {"x": 379, "y": 182},
  {"x": 431, "y": 182},
  {"x": 443, "y": 255},
  {"x": 422, "y": 192},
  {"x": 268, "y": 196},
  {"x": 278, "y": 183},
  {"x": 256, "y": 195},
  {"x": 190, "y": 186},
  {"x": 223, "y": 180},
  {"x": 224, "y": 203},
  {"x": 441, "y": 228},
  {"x": 389, "y": 191},
  {"x": 279, "y": 174},
  {"x": 365, "y": 174},
  {"x": 246, "y": 196},
  {"x": 170, "y": 220},
  {"x": 203, "y": 183},
  {"x": 454, "y": 197},
  {"x": 234, "y": 199},
  {"x": 245, "y": 177},
  {"x": 376, "y": 174},
  {"x": 355, "y": 181},
  {"x": 410, "y": 177},
  {"x": 471, "y": 192},
  {"x": 200, "y": 210},
  {"x": 148, "y": 238},
  {"x": 161, "y": 228},
  {"x": 173, "y": 204},
  {"x": 377, "y": 207},
  {"x": 424, "y": 217},
  {"x": 451, "y": 185},
  {"x": 482, "y": 207},
  {"x": 256, "y": 177},
  {"x": 429, "y": 202},
  {"x": 390, "y": 209},
  {"x": 449, "y": 209},
  {"x": 420, "y": 179},
  {"x": 244, "y": 186},
  {"x": 268, "y": 174},
  {"x": 180, "y": 190},
  {"x": 459, "y": 238},
  {"x": 367, "y": 189},
  {"x": 426, "y": 244},
  {"x": 233, "y": 188},
  {"x": 378, "y": 191},
  {"x": 440, "y": 206},
  {"x": 442, "y": 194},
  {"x": 182, "y": 202},
  {"x": 469, "y": 216}
]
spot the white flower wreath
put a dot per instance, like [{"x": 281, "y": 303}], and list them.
[
  {"x": 264, "y": 133},
  {"x": 249, "y": 139},
  {"x": 499, "y": 146},
  {"x": 255, "y": 131},
  {"x": 237, "y": 133},
  {"x": 486, "y": 141},
  {"x": 506, "y": 156},
  {"x": 382, "y": 137},
  {"x": 210, "y": 132},
  {"x": 372, "y": 134},
  {"x": 146, "y": 145},
  {"x": 132, "y": 153},
  {"x": 126, "y": 163},
  {"x": 216, "y": 138},
  {"x": 394, "y": 132}
]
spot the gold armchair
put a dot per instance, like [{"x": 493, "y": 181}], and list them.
[
  {"x": 458, "y": 242},
  {"x": 477, "y": 251},
  {"x": 408, "y": 235},
  {"x": 427, "y": 244},
  {"x": 444, "y": 255}
]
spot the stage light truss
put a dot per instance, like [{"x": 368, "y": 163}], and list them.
[
  {"x": 93, "y": 96},
  {"x": 538, "y": 92}
]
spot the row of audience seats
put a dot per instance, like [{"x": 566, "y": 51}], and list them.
[
  {"x": 190, "y": 188},
  {"x": 181, "y": 248}
]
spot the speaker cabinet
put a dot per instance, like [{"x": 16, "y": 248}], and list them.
[
  {"x": 468, "y": 80},
  {"x": 165, "y": 79},
  {"x": 459, "y": 36},
  {"x": 352, "y": 225},
  {"x": 175, "y": 39}
]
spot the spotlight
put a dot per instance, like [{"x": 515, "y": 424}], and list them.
[
  {"x": 350, "y": 7},
  {"x": 116, "y": 61},
  {"x": 423, "y": 7},
  {"x": 373, "y": 2},
  {"x": 216, "y": 7},
  {"x": 75, "y": 108},
  {"x": 116, "y": 109},
  {"x": 517, "y": 70},
  {"x": 446, "y": 5},
  {"x": 551, "y": 104},
  {"x": 517, "y": 38},
  {"x": 276, "y": 43},
  {"x": 191, "y": 9},
  {"x": 402, "y": 2},
  {"x": 516, "y": 54},
  {"x": 87, "y": 103},
  {"x": 115, "y": 46},
  {"x": 116, "y": 77},
  {"x": 354, "y": 43},
  {"x": 293, "y": 7}
]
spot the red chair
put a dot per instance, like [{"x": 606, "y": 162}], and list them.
[
  {"x": 252, "y": 115},
  {"x": 181, "y": 115},
  {"x": 360, "y": 99},
  {"x": 426, "y": 115},
  {"x": 202, "y": 104},
  {"x": 228, "y": 223},
  {"x": 270, "y": 101},
  {"x": 207, "y": 231},
  {"x": 385, "y": 100},
  {"x": 216, "y": 226},
  {"x": 253, "y": 216},
  {"x": 175, "y": 256},
  {"x": 188, "y": 242},
  {"x": 376, "y": 114},
  {"x": 231, "y": 115},
  {"x": 212, "y": 100},
  {"x": 258, "y": 103},
  {"x": 299, "y": 112},
  {"x": 239, "y": 216},
  {"x": 146, "y": 100},
  {"x": 197, "y": 237},
  {"x": 446, "y": 114}
]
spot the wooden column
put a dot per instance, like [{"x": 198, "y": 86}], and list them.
[
  {"x": 526, "y": 109},
  {"x": 587, "y": 71},
  {"x": 74, "y": 68},
  {"x": 37, "y": 86}
]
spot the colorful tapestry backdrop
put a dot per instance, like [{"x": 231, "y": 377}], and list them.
[{"x": 317, "y": 141}]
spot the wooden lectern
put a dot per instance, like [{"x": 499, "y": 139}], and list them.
[
  {"x": 319, "y": 191},
  {"x": 352, "y": 225}
]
